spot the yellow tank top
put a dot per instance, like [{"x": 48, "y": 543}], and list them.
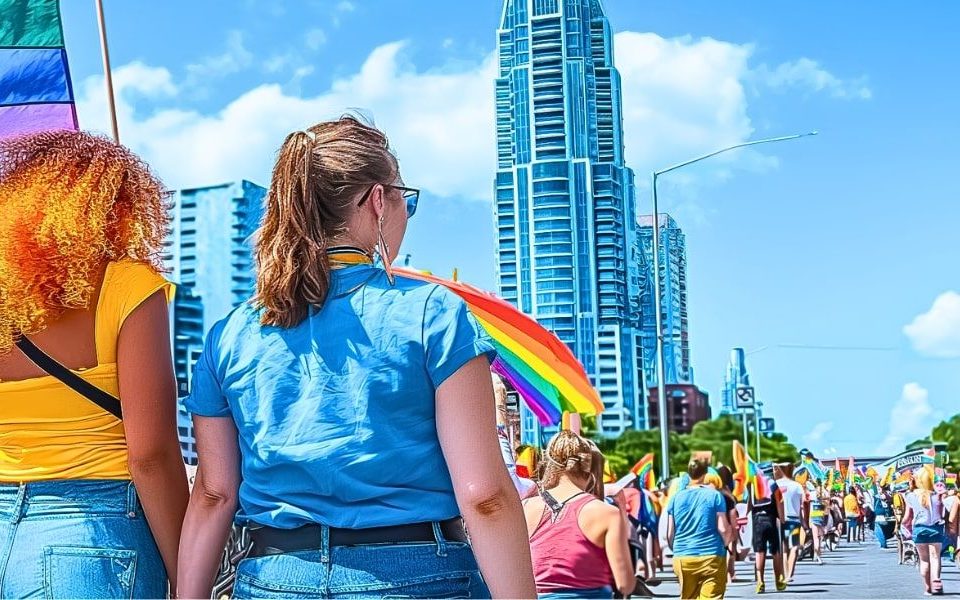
[{"x": 47, "y": 430}]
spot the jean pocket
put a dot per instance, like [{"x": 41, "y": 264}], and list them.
[{"x": 77, "y": 572}]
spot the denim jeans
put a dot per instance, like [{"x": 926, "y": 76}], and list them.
[
  {"x": 77, "y": 539},
  {"x": 438, "y": 569}
]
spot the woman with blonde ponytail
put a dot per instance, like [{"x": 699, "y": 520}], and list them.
[
  {"x": 578, "y": 541},
  {"x": 925, "y": 509},
  {"x": 346, "y": 414}
]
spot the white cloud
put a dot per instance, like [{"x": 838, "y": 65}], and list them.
[
  {"x": 681, "y": 97},
  {"x": 315, "y": 38},
  {"x": 440, "y": 123},
  {"x": 937, "y": 332},
  {"x": 815, "y": 436},
  {"x": 233, "y": 59},
  {"x": 911, "y": 418},
  {"x": 808, "y": 74}
]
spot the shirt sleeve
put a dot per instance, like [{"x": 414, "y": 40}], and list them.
[
  {"x": 206, "y": 397},
  {"x": 451, "y": 336},
  {"x": 719, "y": 504}
]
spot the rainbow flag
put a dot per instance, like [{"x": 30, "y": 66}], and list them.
[
  {"x": 647, "y": 512},
  {"x": 644, "y": 472},
  {"x": 526, "y": 460},
  {"x": 537, "y": 364},
  {"x": 814, "y": 468},
  {"x": 951, "y": 479},
  {"x": 887, "y": 478},
  {"x": 35, "y": 89},
  {"x": 608, "y": 475},
  {"x": 831, "y": 475},
  {"x": 747, "y": 475},
  {"x": 851, "y": 473}
]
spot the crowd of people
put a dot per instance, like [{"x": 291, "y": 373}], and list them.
[{"x": 345, "y": 416}]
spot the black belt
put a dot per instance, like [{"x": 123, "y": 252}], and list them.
[{"x": 270, "y": 540}]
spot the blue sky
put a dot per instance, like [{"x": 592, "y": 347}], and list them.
[{"x": 844, "y": 240}]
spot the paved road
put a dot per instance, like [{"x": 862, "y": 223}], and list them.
[{"x": 852, "y": 571}]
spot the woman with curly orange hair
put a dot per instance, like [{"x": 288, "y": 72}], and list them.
[{"x": 92, "y": 484}]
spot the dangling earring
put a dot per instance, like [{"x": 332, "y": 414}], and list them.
[{"x": 384, "y": 253}]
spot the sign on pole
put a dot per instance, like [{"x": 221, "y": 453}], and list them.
[
  {"x": 767, "y": 425},
  {"x": 745, "y": 397}
]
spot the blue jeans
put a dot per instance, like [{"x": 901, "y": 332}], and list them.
[
  {"x": 77, "y": 539},
  {"x": 438, "y": 569},
  {"x": 604, "y": 592}
]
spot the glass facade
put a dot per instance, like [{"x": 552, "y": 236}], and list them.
[
  {"x": 209, "y": 255},
  {"x": 735, "y": 376},
  {"x": 673, "y": 298},
  {"x": 565, "y": 218}
]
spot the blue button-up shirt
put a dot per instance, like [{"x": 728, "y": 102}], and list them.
[{"x": 337, "y": 416}]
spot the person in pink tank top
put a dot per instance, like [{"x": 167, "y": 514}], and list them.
[{"x": 577, "y": 541}]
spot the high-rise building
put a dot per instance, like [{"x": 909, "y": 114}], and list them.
[
  {"x": 673, "y": 302},
  {"x": 735, "y": 376},
  {"x": 210, "y": 257},
  {"x": 565, "y": 219}
]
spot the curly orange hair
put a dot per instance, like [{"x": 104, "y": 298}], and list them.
[{"x": 69, "y": 201}]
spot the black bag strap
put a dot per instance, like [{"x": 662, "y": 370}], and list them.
[{"x": 83, "y": 387}]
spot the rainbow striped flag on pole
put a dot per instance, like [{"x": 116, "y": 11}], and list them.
[
  {"x": 747, "y": 475},
  {"x": 644, "y": 472},
  {"x": 35, "y": 89}
]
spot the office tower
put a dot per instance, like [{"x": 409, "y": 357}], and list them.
[
  {"x": 210, "y": 257},
  {"x": 565, "y": 219},
  {"x": 735, "y": 376},
  {"x": 673, "y": 302}
]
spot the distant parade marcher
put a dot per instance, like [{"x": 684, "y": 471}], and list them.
[
  {"x": 699, "y": 532},
  {"x": 794, "y": 507},
  {"x": 767, "y": 515},
  {"x": 925, "y": 510}
]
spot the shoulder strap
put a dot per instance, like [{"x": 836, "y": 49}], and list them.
[{"x": 83, "y": 387}]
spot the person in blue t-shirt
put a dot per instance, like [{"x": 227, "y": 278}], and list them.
[
  {"x": 346, "y": 414},
  {"x": 698, "y": 532}
]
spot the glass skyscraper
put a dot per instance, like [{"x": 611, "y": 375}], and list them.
[
  {"x": 735, "y": 376},
  {"x": 210, "y": 257},
  {"x": 566, "y": 226},
  {"x": 673, "y": 302}
]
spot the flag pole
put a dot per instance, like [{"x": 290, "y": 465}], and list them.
[{"x": 108, "y": 77}]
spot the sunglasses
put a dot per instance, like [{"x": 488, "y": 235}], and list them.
[{"x": 411, "y": 196}]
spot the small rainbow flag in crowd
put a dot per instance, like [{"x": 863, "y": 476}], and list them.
[
  {"x": 647, "y": 512},
  {"x": 887, "y": 478},
  {"x": 748, "y": 475},
  {"x": 814, "y": 467},
  {"x": 35, "y": 89},
  {"x": 951, "y": 479},
  {"x": 644, "y": 472},
  {"x": 851, "y": 473}
]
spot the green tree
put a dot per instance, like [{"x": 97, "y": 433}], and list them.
[
  {"x": 947, "y": 432},
  {"x": 714, "y": 436}
]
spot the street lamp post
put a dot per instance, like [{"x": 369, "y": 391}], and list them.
[
  {"x": 661, "y": 393},
  {"x": 756, "y": 425}
]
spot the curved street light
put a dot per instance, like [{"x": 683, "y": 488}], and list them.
[{"x": 661, "y": 393}]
